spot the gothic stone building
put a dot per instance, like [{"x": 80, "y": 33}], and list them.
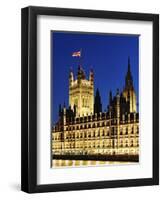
[{"x": 83, "y": 129}]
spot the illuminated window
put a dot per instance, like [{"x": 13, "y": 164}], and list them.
[{"x": 137, "y": 129}]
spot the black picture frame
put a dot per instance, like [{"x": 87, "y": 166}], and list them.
[{"x": 29, "y": 99}]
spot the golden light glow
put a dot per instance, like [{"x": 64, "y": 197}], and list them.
[{"x": 89, "y": 133}]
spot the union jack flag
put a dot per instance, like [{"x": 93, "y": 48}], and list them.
[{"x": 76, "y": 54}]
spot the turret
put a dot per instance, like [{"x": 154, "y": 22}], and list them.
[
  {"x": 64, "y": 114},
  {"x": 118, "y": 104},
  {"x": 71, "y": 77},
  {"x": 91, "y": 77},
  {"x": 74, "y": 110},
  {"x": 129, "y": 79},
  {"x": 97, "y": 105},
  {"x": 81, "y": 74},
  {"x": 128, "y": 91}
]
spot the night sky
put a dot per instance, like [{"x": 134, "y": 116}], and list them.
[{"x": 107, "y": 54}]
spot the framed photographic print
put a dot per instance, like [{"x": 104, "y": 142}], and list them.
[{"x": 90, "y": 99}]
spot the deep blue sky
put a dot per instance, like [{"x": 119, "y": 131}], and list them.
[{"x": 107, "y": 54}]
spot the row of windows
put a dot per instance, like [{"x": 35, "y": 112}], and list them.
[
  {"x": 97, "y": 118},
  {"x": 98, "y": 145},
  {"x": 95, "y": 134},
  {"x": 110, "y": 141},
  {"x": 70, "y": 128},
  {"x": 86, "y": 126}
]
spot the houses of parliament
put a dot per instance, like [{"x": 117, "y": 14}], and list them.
[{"x": 84, "y": 129}]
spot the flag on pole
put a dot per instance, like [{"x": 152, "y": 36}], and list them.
[{"x": 76, "y": 54}]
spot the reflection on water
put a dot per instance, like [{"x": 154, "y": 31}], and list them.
[{"x": 73, "y": 163}]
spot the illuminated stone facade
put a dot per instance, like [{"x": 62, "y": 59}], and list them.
[
  {"x": 83, "y": 129},
  {"x": 81, "y": 93}
]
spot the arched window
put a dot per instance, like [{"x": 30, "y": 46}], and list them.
[
  {"x": 112, "y": 131},
  {"x": 132, "y": 130},
  {"x": 99, "y": 133},
  {"x": 137, "y": 143},
  {"x": 94, "y": 134},
  {"x": 103, "y": 144},
  {"x": 137, "y": 129},
  {"x": 108, "y": 133}
]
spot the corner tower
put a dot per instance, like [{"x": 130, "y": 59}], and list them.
[
  {"x": 129, "y": 92},
  {"x": 81, "y": 92}
]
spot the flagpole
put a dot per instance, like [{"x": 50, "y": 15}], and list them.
[
  {"x": 78, "y": 54},
  {"x": 80, "y": 60}
]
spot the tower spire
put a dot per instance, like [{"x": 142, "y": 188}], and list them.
[
  {"x": 97, "y": 104},
  {"x": 129, "y": 79},
  {"x": 129, "y": 92}
]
